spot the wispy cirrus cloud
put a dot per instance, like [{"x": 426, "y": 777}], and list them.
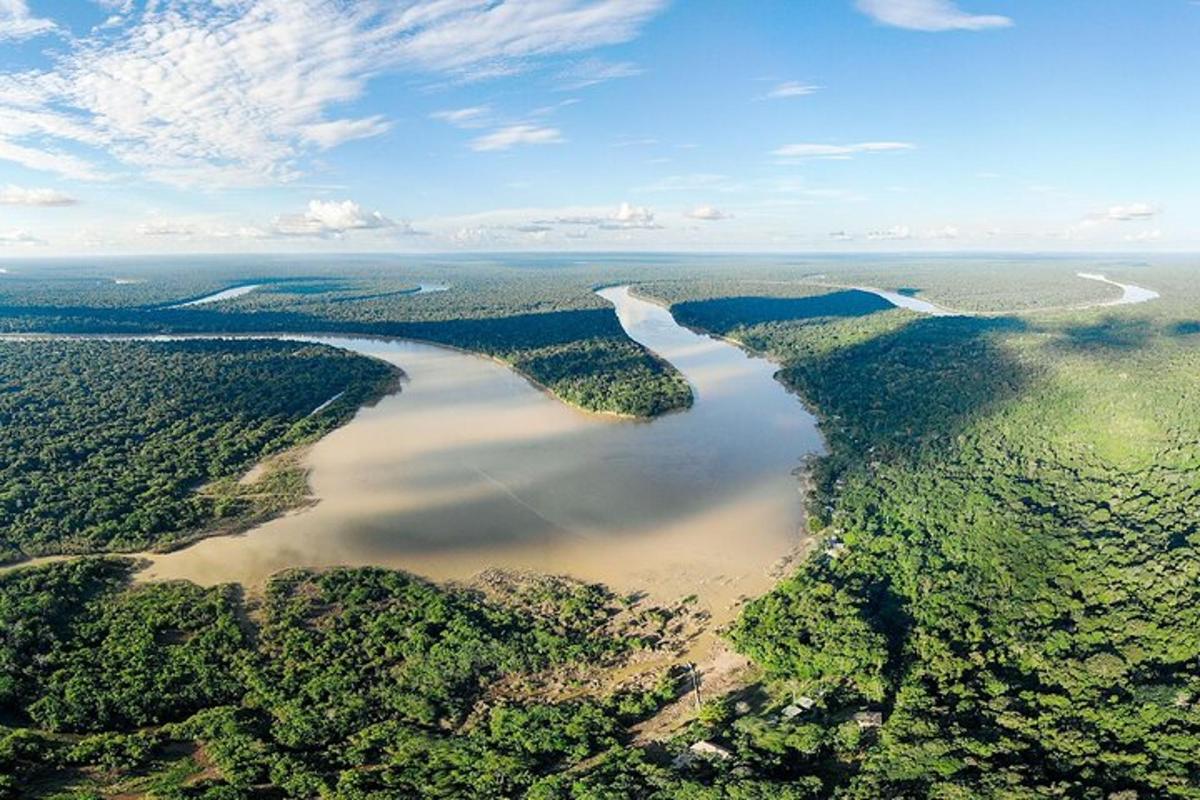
[
  {"x": 514, "y": 135},
  {"x": 470, "y": 117},
  {"x": 838, "y": 151},
  {"x": 791, "y": 89},
  {"x": 242, "y": 93},
  {"x": 593, "y": 71},
  {"x": 930, "y": 15}
]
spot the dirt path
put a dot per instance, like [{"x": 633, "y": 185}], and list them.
[{"x": 723, "y": 671}]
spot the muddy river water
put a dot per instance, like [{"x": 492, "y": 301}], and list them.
[{"x": 469, "y": 467}]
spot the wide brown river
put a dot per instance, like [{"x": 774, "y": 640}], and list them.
[{"x": 471, "y": 467}]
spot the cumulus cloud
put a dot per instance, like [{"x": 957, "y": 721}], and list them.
[
  {"x": 1132, "y": 212},
  {"x": 513, "y": 135},
  {"x": 330, "y": 218},
  {"x": 241, "y": 93},
  {"x": 929, "y": 15},
  {"x": 1144, "y": 236},
  {"x": 19, "y": 196},
  {"x": 792, "y": 89},
  {"x": 707, "y": 213},
  {"x": 838, "y": 151},
  {"x": 629, "y": 217},
  {"x": 17, "y": 23}
]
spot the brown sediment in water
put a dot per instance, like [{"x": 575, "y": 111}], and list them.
[{"x": 472, "y": 468}]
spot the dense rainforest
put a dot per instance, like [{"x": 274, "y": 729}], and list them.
[
  {"x": 350, "y": 683},
  {"x": 1004, "y": 603},
  {"x": 119, "y": 445},
  {"x": 1011, "y": 567}
]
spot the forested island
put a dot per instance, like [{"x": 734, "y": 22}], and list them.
[{"x": 1002, "y": 604}]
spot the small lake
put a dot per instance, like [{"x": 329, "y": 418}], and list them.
[{"x": 471, "y": 467}]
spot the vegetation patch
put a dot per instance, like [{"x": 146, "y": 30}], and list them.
[{"x": 119, "y": 446}]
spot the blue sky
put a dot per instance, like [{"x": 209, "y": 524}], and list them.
[{"x": 148, "y": 126}]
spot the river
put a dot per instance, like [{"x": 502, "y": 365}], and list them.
[
  {"x": 1130, "y": 294},
  {"x": 216, "y": 297},
  {"x": 471, "y": 467}
]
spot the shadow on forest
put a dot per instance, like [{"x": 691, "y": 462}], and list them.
[
  {"x": 926, "y": 381},
  {"x": 725, "y": 313},
  {"x": 1112, "y": 333},
  {"x": 1116, "y": 335}
]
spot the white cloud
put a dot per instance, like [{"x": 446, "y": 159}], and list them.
[
  {"x": 513, "y": 135},
  {"x": 17, "y": 23},
  {"x": 63, "y": 164},
  {"x": 19, "y": 196},
  {"x": 326, "y": 135},
  {"x": 117, "y": 6},
  {"x": 241, "y": 92},
  {"x": 630, "y": 217},
  {"x": 1144, "y": 236},
  {"x": 642, "y": 141},
  {"x": 165, "y": 227},
  {"x": 930, "y": 15},
  {"x": 626, "y": 217},
  {"x": 330, "y": 218},
  {"x": 474, "y": 236},
  {"x": 836, "y": 151},
  {"x": 707, "y": 213},
  {"x": 475, "y": 37},
  {"x": 593, "y": 71},
  {"x": 472, "y": 117},
  {"x": 19, "y": 238},
  {"x": 1132, "y": 212},
  {"x": 895, "y": 233},
  {"x": 948, "y": 232},
  {"x": 792, "y": 89}
]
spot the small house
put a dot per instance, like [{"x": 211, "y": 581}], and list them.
[{"x": 869, "y": 719}]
